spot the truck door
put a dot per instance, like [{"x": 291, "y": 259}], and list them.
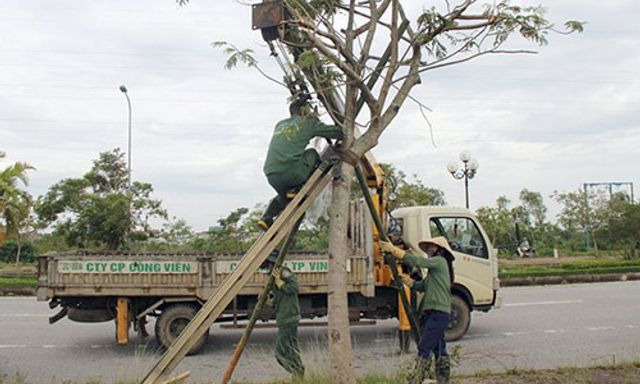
[{"x": 473, "y": 267}]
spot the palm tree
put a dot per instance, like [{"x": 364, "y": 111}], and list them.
[{"x": 15, "y": 203}]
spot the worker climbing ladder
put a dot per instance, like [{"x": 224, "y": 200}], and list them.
[{"x": 251, "y": 261}]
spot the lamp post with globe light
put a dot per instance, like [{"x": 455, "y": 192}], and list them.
[{"x": 469, "y": 170}]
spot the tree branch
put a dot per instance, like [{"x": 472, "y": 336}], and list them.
[
  {"x": 346, "y": 69},
  {"x": 393, "y": 60}
]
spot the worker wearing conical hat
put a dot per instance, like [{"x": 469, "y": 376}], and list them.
[{"x": 435, "y": 306}]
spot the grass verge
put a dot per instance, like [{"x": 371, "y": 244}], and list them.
[
  {"x": 579, "y": 267},
  {"x": 18, "y": 282},
  {"x": 625, "y": 373}
]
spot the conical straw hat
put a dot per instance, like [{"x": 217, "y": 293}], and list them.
[{"x": 441, "y": 242}]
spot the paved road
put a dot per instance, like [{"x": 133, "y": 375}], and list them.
[{"x": 538, "y": 327}]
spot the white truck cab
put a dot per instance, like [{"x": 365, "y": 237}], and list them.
[{"x": 476, "y": 285}]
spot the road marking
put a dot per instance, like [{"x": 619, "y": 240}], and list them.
[
  {"x": 554, "y": 331},
  {"x": 606, "y": 328},
  {"x": 51, "y": 346},
  {"x": 544, "y": 303},
  {"x": 517, "y": 333},
  {"x": 23, "y": 298}
]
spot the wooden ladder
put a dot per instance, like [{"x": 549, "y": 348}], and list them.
[{"x": 249, "y": 263}]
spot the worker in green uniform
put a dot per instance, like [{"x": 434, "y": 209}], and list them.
[
  {"x": 289, "y": 164},
  {"x": 435, "y": 306},
  {"x": 287, "y": 307}
]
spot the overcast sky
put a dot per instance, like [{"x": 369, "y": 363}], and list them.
[{"x": 545, "y": 122}]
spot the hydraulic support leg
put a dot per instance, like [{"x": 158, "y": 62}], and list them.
[{"x": 415, "y": 329}]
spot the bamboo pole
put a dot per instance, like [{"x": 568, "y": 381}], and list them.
[
  {"x": 230, "y": 287},
  {"x": 262, "y": 299}
]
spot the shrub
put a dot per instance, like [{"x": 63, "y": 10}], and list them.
[{"x": 9, "y": 250}]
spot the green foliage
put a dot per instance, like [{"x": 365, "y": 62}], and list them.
[
  {"x": 238, "y": 231},
  {"x": 533, "y": 207},
  {"x": 528, "y": 21},
  {"x": 318, "y": 69},
  {"x": 599, "y": 221},
  {"x": 498, "y": 223},
  {"x": 234, "y": 233},
  {"x": 176, "y": 231},
  {"x": 580, "y": 267},
  {"x": 98, "y": 210},
  {"x": 313, "y": 238},
  {"x": 577, "y": 211},
  {"x": 621, "y": 223},
  {"x": 403, "y": 193},
  {"x": 9, "y": 251},
  {"x": 236, "y": 55},
  {"x": 50, "y": 242},
  {"x": 10, "y": 177},
  {"x": 15, "y": 204},
  {"x": 507, "y": 226},
  {"x": 467, "y": 30},
  {"x": 312, "y": 9}
]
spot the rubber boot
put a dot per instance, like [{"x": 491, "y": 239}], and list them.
[
  {"x": 443, "y": 370},
  {"x": 420, "y": 371}
]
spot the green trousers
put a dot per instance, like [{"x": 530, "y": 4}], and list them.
[
  {"x": 296, "y": 176},
  {"x": 287, "y": 349}
]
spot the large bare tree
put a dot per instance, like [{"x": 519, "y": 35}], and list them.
[
  {"x": 363, "y": 59},
  {"x": 371, "y": 54}
]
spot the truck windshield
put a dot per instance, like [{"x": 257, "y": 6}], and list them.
[{"x": 463, "y": 235}]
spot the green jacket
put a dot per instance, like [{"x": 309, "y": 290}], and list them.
[
  {"x": 436, "y": 286},
  {"x": 290, "y": 138},
  {"x": 285, "y": 301}
]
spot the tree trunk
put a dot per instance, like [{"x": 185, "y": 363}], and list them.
[
  {"x": 595, "y": 243},
  {"x": 18, "y": 250},
  {"x": 339, "y": 333}
]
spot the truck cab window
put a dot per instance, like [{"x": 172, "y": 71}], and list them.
[
  {"x": 395, "y": 227},
  {"x": 463, "y": 235}
]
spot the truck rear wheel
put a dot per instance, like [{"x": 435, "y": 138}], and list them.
[
  {"x": 172, "y": 322},
  {"x": 459, "y": 319}
]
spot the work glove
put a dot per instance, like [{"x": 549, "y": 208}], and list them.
[
  {"x": 392, "y": 249},
  {"x": 277, "y": 278},
  {"x": 406, "y": 279}
]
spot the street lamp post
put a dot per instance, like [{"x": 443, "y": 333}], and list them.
[
  {"x": 470, "y": 167},
  {"x": 123, "y": 89}
]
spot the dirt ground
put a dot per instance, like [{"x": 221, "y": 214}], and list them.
[{"x": 622, "y": 374}]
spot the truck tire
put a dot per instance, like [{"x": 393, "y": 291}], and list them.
[
  {"x": 459, "y": 320},
  {"x": 172, "y": 321}
]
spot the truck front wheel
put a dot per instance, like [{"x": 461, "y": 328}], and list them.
[
  {"x": 172, "y": 321},
  {"x": 459, "y": 319}
]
